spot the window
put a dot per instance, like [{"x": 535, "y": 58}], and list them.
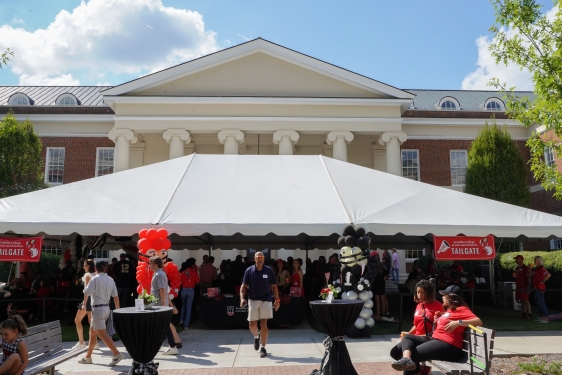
[
  {"x": 53, "y": 250},
  {"x": 19, "y": 99},
  {"x": 104, "y": 160},
  {"x": 556, "y": 244},
  {"x": 67, "y": 99},
  {"x": 100, "y": 254},
  {"x": 410, "y": 165},
  {"x": 494, "y": 104},
  {"x": 54, "y": 168},
  {"x": 458, "y": 167},
  {"x": 549, "y": 156},
  {"x": 414, "y": 254},
  {"x": 449, "y": 103}
]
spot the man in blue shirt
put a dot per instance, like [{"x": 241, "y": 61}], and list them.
[{"x": 259, "y": 280}]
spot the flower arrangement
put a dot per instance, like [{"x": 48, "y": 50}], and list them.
[
  {"x": 149, "y": 299},
  {"x": 325, "y": 291}
]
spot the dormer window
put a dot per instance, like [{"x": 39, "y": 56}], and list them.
[
  {"x": 67, "y": 99},
  {"x": 449, "y": 103},
  {"x": 19, "y": 99},
  {"x": 494, "y": 104}
]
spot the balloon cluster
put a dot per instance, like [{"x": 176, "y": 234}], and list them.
[
  {"x": 69, "y": 254},
  {"x": 155, "y": 242},
  {"x": 357, "y": 272}
]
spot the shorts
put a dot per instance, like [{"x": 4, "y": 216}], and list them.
[
  {"x": 522, "y": 296},
  {"x": 99, "y": 316},
  {"x": 258, "y": 310},
  {"x": 88, "y": 305}
]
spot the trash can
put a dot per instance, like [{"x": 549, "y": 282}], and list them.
[{"x": 510, "y": 296}]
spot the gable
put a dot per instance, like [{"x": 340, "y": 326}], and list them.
[{"x": 258, "y": 74}]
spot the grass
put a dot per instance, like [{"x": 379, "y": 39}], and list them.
[{"x": 540, "y": 367}]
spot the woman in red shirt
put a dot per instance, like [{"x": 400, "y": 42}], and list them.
[
  {"x": 297, "y": 276},
  {"x": 447, "y": 340},
  {"x": 540, "y": 275},
  {"x": 424, "y": 315},
  {"x": 189, "y": 279}
]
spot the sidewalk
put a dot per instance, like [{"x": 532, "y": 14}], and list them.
[{"x": 291, "y": 351}]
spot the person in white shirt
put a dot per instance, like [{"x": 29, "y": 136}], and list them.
[
  {"x": 395, "y": 272},
  {"x": 101, "y": 288}
]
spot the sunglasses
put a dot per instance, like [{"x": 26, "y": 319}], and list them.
[{"x": 260, "y": 257}]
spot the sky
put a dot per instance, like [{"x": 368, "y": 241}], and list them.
[{"x": 429, "y": 44}]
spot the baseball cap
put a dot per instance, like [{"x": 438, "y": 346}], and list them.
[
  {"x": 279, "y": 260},
  {"x": 519, "y": 257},
  {"x": 101, "y": 263},
  {"x": 451, "y": 289},
  {"x": 373, "y": 253}
]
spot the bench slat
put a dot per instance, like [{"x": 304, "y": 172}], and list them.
[
  {"x": 41, "y": 346},
  {"x": 42, "y": 327},
  {"x": 57, "y": 359},
  {"x": 457, "y": 368}
]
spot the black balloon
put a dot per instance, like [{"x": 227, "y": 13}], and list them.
[
  {"x": 345, "y": 270},
  {"x": 346, "y": 288},
  {"x": 350, "y": 240},
  {"x": 349, "y": 230},
  {"x": 359, "y": 231},
  {"x": 341, "y": 242},
  {"x": 362, "y": 242},
  {"x": 356, "y": 270}
]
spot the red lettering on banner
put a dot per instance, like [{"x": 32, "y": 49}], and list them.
[
  {"x": 20, "y": 249},
  {"x": 464, "y": 248}
]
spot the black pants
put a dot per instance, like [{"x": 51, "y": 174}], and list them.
[
  {"x": 170, "y": 337},
  {"x": 124, "y": 292},
  {"x": 425, "y": 348}
]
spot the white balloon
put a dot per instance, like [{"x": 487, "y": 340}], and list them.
[
  {"x": 351, "y": 295},
  {"x": 344, "y": 296},
  {"x": 370, "y": 322},
  {"x": 360, "y": 323},
  {"x": 368, "y": 304},
  {"x": 72, "y": 246},
  {"x": 370, "y": 295},
  {"x": 73, "y": 258},
  {"x": 360, "y": 287},
  {"x": 365, "y": 314},
  {"x": 338, "y": 289},
  {"x": 364, "y": 295},
  {"x": 72, "y": 252}
]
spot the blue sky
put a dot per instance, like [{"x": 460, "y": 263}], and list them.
[{"x": 431, "y": 44}]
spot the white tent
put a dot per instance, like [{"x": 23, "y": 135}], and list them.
[{"x": 256, "y": 195}]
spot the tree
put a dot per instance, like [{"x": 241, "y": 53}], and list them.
[
  {"x": 496, "y": 169},
  {"x": 5, "y": 57},
  {"x": 21, "y": 165},
  {"x": 531, "y": 39}
]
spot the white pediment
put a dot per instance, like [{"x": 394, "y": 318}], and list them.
[{"x": 258, "y": 69}]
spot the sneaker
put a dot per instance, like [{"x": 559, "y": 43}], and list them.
[
  {"x": 181, "y": 323},
  {"x": 171, "y": 351},
  {"x": 116, "y": 359},
  {"x": 257, "y": 343},
  {"x": 542, "y": 322},
  {"x": 85, "y": 361},
  {"x": 80, "y": 345},
  {"x": 263, "y": 353},
  {"x": 97, "y": 346},
  {"x": 404, "y": 364}
]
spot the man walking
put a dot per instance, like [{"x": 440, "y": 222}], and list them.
[
  {"x": 159, "y": 289},
  {"x": 123, "y": 272},
  {"x": 523, "y": 285},
  {"x": 101, "y": 288},
  {"x": 395, "y": 267},
  {"x": 260, "y": 280}
]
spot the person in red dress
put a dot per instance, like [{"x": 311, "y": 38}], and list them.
[
  {"x": 540, "y": 276},
  {"x": 297, "y": 276},
  {"x": 523, "y": 281}
]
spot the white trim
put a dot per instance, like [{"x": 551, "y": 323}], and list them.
[
  {"x": 64, "y": 96},
  {"x": 451, "y": 167},
  {"x": 46, "y": 178},
  {"x": 493, "y": 99},
  {"x": 397, "y": 120},
  {"x": 249, "y": 48},
  {"x": 97, "y": 157},
  {"x": 65, "y": 118},
  {"x": 438, "y": 121},
  {"x": 19, "y": 95},
  {"x": 451, "y": 99},
  {"x": 402, "y": 162}
]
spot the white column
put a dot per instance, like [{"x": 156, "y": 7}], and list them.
[
  {"x": 122, "y": 139},
  {"x": 286, "y": 139},
  {"x": 177, "y": 138},
  {"x": 393, "y": 140},
  {"x": 339, "y": 141},
  {"x": 231, "y": 139}
]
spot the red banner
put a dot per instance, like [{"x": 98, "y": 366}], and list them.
[
  {"x": 464, "y": 248},
  {"x": 20, "y": 249}
]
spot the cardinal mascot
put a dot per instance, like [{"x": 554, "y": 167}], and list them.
[{"x": 155, "y": 242}]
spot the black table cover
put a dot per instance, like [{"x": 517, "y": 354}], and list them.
[
  {"x": 336, "y": 319},
  {"x": 226, "y": 312},
  {"x": 142, "y": 333}
]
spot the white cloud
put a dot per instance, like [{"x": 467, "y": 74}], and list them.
[
  {"x": 99, "y": 36},
  {"x": 18, "y": 20},
  {"x": 42, "y": 80}
]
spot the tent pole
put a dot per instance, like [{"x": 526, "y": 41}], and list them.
[
  {"x": 491, "y": 273},
  {"x": 10, "y": 273},
  {"x": 210, "y": 249}
]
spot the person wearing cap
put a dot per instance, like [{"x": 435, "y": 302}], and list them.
[
  {"x": 283, "y": 277},
  {"x": 523, "y": 285},
  {"x": 124, "y": 276},
  {"x": 446, "y": 343}
]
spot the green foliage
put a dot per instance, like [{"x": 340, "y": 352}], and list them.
[
  {"x": 540, "y": 367},
  {"x": 525, "y": 36},
  {"x": 496, "y": 169},
  {"x": 5, "y": 57},
  {"x": 48, "y": 265},
  {"x": 21, "y": 165}
]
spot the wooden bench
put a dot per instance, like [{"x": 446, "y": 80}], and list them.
[
  {"x": 478, "y": 348},
  {"x": 44, "y": 345}
]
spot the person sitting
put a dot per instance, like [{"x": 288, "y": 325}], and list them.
[{"x": 447, "y": 341}]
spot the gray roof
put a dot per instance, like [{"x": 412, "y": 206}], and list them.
[
  {"x": 469, "y": 100},
  {"x": 47, "y": 95}
]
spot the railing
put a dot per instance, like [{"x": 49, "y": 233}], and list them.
[{"x": 44, "y": 300}]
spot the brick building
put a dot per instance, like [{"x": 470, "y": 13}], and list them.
[{"x": 262, "y": 98}]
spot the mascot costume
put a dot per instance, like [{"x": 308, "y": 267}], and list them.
[{"x": 155, "y": 242}]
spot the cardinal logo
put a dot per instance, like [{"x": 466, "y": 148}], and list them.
[
  {"x": 230, "y": 310},
  {"x": 31, "y": 248},
  {"x": 444, "y": 247}
]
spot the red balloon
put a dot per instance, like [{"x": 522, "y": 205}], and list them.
[
  {"x": 144, "y": 244},
  {"x": 158, "y": 244},
  {"x": 142, "y": 233},
  {"x": 162, "y": 233},
  {"x": 152, "y": 234},
  {"x": 167, "y": 243},
  {"x": 67, "y": 255}
]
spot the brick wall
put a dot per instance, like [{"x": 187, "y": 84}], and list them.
[{"x": 80, "y": 155}]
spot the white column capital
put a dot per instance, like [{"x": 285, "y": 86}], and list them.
[
  {"x": 387, "y": 136},
  {"x": 179, "y": 133},
  {"x": 290, "y": 134},
  {"x": 334, "y": 135},
  {"x": 231, "y": 133},
  {"x": 127, "y": 134}
]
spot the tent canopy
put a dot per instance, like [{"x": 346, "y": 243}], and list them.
[{"x": 255, "y": 195}]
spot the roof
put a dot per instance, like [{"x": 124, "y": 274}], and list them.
[
  {"x": 469, "y": 100},
  {"x": 47, "y": 95}
]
